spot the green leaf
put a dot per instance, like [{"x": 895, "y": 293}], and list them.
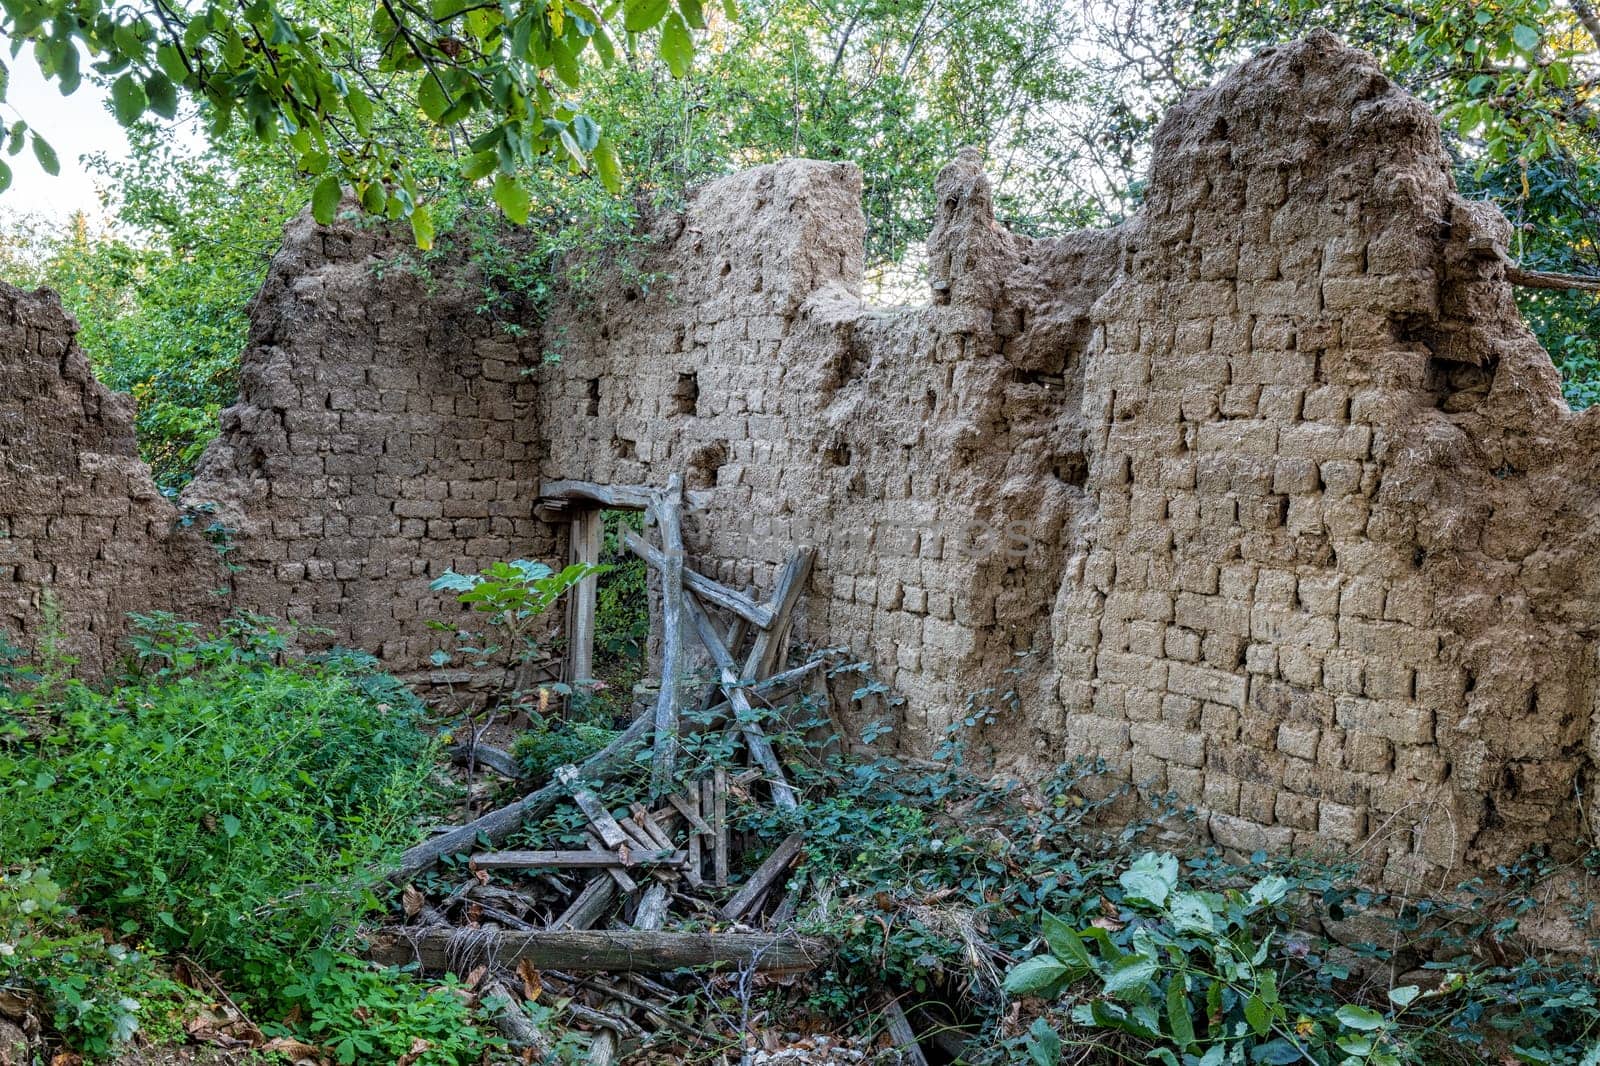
[
  {"x": 5, "y": 176},
  {"x": 45, "y": 155},
  {"x": 481, "y": 165},
  {"x": 1034, "y": 975},
  {"x": 587, "y": 132},
  {"x": 1257, "y": 1014},
  {"x": 693, "y": 13},
  {"x": 1130, "y": 975},
  {"x": 1525, "y": 36},
  {"x": 1150, "y": 879},
  {"x": 513, "y": 198},
  {"x": 230, "y": 825},
  {"x": 1404, "y": 995},
  {"x": 163, "y": 95},
  {"x": 677, "y": 46},
  {"x": 128, "y": 100},
  {"x": 325, "y": 200},
  {"x": 1044, "y": 1044},
  {"x": 1361, "y": 1019},
  {"x": 1279, "y": 1052},
  {"x": 1067, "y": 946},
  {"x": 606, "y": 163},
  {"x": 360, "y": 109},
  {"x": 432, "y": 97},
  {"x": 1191, "y": 914},
  {"x": 422, "y": 226},
  {"x": 1269, "y": 890},
  {"x": 641, "y": 15},
  {"x": 1179, "y": 1023}
]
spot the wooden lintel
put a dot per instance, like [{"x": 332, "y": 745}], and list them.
[{"x": 617, "y": 497}]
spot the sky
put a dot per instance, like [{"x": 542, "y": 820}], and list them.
[{"x": 75, "y": 126}]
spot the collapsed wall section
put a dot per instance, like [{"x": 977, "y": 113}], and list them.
[
  {"x": 85, "y": 536},
  {"x": 383, "y": 434}
]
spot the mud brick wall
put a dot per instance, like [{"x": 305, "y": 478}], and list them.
[
  {"x": 383, "y": 434},
  {"x": 1267, "y": 497},
  {"x": 82, "y": 524}
]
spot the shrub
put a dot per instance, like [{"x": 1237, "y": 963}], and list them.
[
  {"x": 97, "y": 994},
  {"x": 221, "y": 805}
]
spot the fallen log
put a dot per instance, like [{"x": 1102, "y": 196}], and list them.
[{"x": 599, "y": 950}]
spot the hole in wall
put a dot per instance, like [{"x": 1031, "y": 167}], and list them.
[
  {"x": 704, "y": 463},
  {"x": 686, "y": 395},
  {"x": 623, "y": 448},
  {"x": 1071, "y": 470},
  {"x": 594, "y": 396},
  {"x": 837, "y": 453}
]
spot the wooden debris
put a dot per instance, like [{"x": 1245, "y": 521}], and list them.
[
  {"x": 588, "y": 906},
  {"x": 668, "y": 510},
  {"x": 755, "y": 737},
  {"x": 514, "y": 1023},
  {"x": 592, "y": 860},
  {"x": 764, "y": 877},
  {"x": 600, "y": 951},
  {"x": 767, "y": 652},
  {"x": 900, "y": 1031},
  {"x": 610, "y": 833},
  {"x": 708, "y": 589},
  {"x": 719, "y": 826},
  {"x": 483, "y": 755}
]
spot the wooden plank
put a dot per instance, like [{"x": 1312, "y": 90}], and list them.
[
  {"x": 696, "y": 839},
  {"x": 904, "y": 1037},
  {"x": 499, "y": 824},
  {"x": 690, "y": 812},
  {"x": 652, "y": 915},
  {"x": 767, "y": 652},
  {"x": 588, "y": 906},
  {"x": 600, "y": 950},
  {"x": 668, "y": 510},
  {"x": 719, "y": 826},
  {"x": 627, "y": 884},
  {"x": 755, "y": 738},
  {"x": 587, "y": 528},
  {"x": 577, "y": 860},
  {"x": 708, "y": 589},
  {"x": 764, "y": 877},
  {"x": 616, "y": 497},
  {"x": 483, "y": 755},
  {"x": 611, "y": 834}
]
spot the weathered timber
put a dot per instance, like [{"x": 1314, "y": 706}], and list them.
[
  {"x": 719, "y": 825},
  {"x": 514, "y": 1023},
  {"x": 900, "y": 1031},
  {"x": 499, "y": 824},
  {"x": 592, "y": 860},
  {"x": 668, "y": 511},
  {"x": 708, "y": 589},
  {"x": 616, "y": 873},
  {"x": 755, "y": 737},
  {"x": 616, "y": 497},
  {"x": 587, "y": 530},
  {"x": 651, "y": 916},
  {"x": 764, "y": 877},
  {"x": 600, "y": 950},
  {"x": 690, "y": 812},
  {"x": 610, "y": 832},
  {"x": 500, "y": 762},
  {"x": 1545, "y": 279},
  {"x": 588, "y": 906},
  {"x": 767, "y": 651}
]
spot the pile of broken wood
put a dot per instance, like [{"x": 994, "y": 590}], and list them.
[{"x": 660, "y": 890}]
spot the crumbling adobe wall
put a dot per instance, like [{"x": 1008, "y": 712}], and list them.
[
  {"x": 1267, "y": 498},
  {"x": 383, "y": 434},
  {"x": 82, "y": 524}
]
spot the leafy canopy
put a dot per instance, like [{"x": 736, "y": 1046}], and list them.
[{"x": 341, "y": 92}]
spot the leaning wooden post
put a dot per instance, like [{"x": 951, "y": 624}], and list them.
[
  {"x": 668, "y": 510},
  {"x": 767, "y": 652}
]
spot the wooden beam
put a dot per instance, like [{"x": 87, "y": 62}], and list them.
[
  {"x": 767, "y": 652},
  {"x": 615, "y": 497},
  {"x": 588, "y": 527},
  {"x": 589, "y": 860},
  {"x": 755, "y": 738},
  {"x": 764, "y": 877},
  {"x": 706, "y": 588},
  {"x": 600, "y": 950},
  {"x": 668, "y": 510},
  {"x": 1545, "y": 279},
  {"x": 612, "y": 834},
  {"x": 589, "y": 905}
]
